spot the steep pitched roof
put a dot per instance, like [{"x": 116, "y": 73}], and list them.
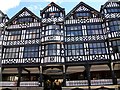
[
  {"x": 49, "y": 5},
  {"x": 77, "y": 6},
  {"x": 2, "y": 13},
  {"x": 103, "y": 6},
  {"x": 20, "y": 12}
]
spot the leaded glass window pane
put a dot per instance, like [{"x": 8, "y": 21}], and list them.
[
  {"x": 97, "y": 48},
  {"x": 31, "y": 51},
  {"x": 52, "y": 49},
  {"x": 74, "y": 31},
  {"x": 75, "y": 49},
  {"x": 24, "y": 20},
  {"x": 114, "y": 25},
  {"x": 94, "y": 29},
  {"x": 11, "y": 52},
  {"x": 14, "y": 35},
  {"x": 53, "y": 30},
  {"x": 32, "y": 34}
]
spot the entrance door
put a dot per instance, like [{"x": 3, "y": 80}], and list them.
[
  {"x": 52, "y": 82},
  {"x": 52, "y": 74},
  {"x": 48, "y": 82}
]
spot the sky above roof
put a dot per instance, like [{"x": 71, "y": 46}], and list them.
[{"x": 11, "y": 7}]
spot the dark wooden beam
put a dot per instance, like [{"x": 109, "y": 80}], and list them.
[
  {"x": 87, "y": 71},
  {"x": 114, "y": 79},
  {"x": 19, "y": 76},
  {"x": 40, "y": 75},
  {"x": 26, "y": 70}
]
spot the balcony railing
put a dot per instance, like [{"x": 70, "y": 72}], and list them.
[
  {"x": 7, "y": 83},
  {"x": 101, "y": 82},
  {"x": 68, "y": 83},
  {"x": 29, "y": 83},
  {"x": 35, "y": 83},
  {"x": 118, "y": 81},
  {"x": 77, "y": 83},
  {"x": 93, "y": 82}
]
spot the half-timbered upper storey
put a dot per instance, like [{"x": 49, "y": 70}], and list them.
[
  {"x": 83, "y": 23},
  {"x": 82, "y": 11},
  {"x": 79, "y": 36},
  {"x": 52, "y": 23},
  {"x": 52, "y": 13},
  {"x": 85, "y": 29},
  {"x": 111, "y": 9},
  {"x": 3, "y": 18},
  {"x": 22, "y": 38},
  {"x": 111, "y": 12},
  {"x": 23, "y": 19},
  {"x": 23, "y": 28}
]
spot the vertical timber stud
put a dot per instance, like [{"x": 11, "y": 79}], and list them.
[
  {"x": 19, "y": 76},
  {"x": 40, "y": 76},
  {"x": 114, "y": 79},
  {"x": 29, "y": 76},
  {"x": 2, "y": 69},
  {"x": 87, "y": 69},
  {"x": 64, "y": 75},
  {"x": 110, "y": 63}
]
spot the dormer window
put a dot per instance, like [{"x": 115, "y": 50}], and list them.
[
  {"x": 51, "y": 14},
  {"x": 113, "y": 10},
  {"x": 82, "y": 14},
  {"x": 24, "y": 20}
]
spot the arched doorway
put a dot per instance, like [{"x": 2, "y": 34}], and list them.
[{"x": 50, "y": 76}]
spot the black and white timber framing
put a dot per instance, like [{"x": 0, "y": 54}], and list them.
[{"x": 57, "y": 42}]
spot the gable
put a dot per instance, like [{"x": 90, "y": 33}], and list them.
[
  {"x": 82, "y": 10},
  {"x": 111, "y": 9},
  {"x": 1, "y": 14},
  {"x": 112, "y": 4},
  {"x": 52, "y": 7},
  {"x": 24, "y": 16}
]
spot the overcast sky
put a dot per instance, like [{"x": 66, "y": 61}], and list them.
[{"x": 11, "y": 7}]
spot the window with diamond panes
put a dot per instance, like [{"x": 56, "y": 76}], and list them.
[
  {"x": 97, "y": 48},
  {"x": 51, "y": 14},
  {"x": 74, "y": 50},
  {"x": 11, "y": 52},
  {"x": 52, "y": 30},
  {"x": 113, "y": 10},
  {"x": 83, "y": 14},
  {"x": 74, "y": 30},
  {"x": 116, "y": 46},
  {"x": 54, "y": 14},
  {"x": 94, "y": 29},
  {"x": 26, "y": 19},
  {"x": 14, "y": 35},
  {"x": 52, "y": 49},
  {"x": 31, "y": 51},
  {"x": 32, "y": 34},
  {"x": 114, "y": 25}
]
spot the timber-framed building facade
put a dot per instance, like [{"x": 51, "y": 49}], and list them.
[{"x": 80, "y": 49}]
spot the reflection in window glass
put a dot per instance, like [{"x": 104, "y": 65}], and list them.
[
  {"x": 52, "y": 49},
  {"x": 11, "y": 52},
  {"x": 94, "y": 29},
  {"x": 75, "y": 49},
  {"x": 31, "y": 51},
  {"x": 53, "y": 30},
  {"x": 114, "y": 25},
  {"x": 32, "y": 33},
  {"x": 97, "y": 48},
  {"x": 74, "y": 31},
  {"x": 14, "y": 35}
]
